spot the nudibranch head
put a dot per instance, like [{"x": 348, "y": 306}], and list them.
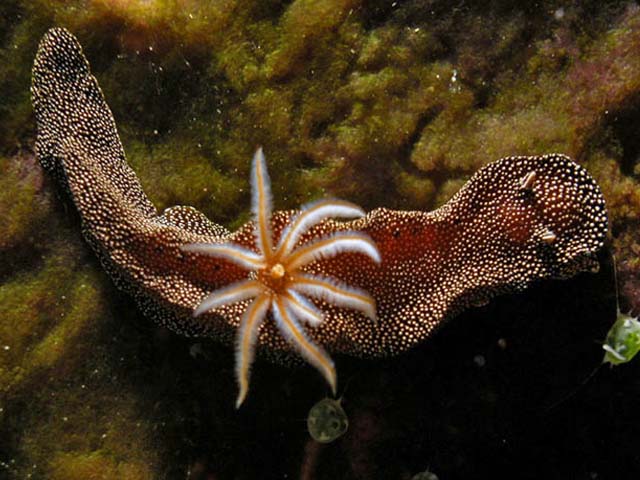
[{"x": 278, "y": 281}]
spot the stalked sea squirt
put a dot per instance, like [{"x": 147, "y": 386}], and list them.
[{"x": 517, "y": 221}]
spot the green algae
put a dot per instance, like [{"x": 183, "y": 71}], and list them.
[
  {"x": 57, "y": 331},
  {"x": 43, "y": 314},
  {"x": 305, "y": 27},
  {"x": 385, "y": 106},
  {"x": 189, "y": 179},
  {"x": 96, "y": 466},
  {"x": 78, "y": 435},
  {"x": 22, "y": 209}
]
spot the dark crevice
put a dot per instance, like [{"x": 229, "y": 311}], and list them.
[
  {"x": 625, "y": 126},
  {"x": 11, "y": 13},
  {"x": 19, "y": 258},
  {"x": 618, "y": 136},
  {"x": 270, "y": 9},
  {"x": 404, "y": 157}
]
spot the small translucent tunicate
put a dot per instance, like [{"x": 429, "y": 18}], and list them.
[
  {"x": 479, "y": 360},
  {"x": 327, "y": 421},
  {"x": 623, "y": 340},
  {"x": 426, "y": 475}
]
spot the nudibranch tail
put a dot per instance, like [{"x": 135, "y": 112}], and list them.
[{"x": 73, "y": 117}]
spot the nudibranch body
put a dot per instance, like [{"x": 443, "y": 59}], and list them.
[
  {"x": 278, "y": 281},
  {"x": 517, "y": 221}
]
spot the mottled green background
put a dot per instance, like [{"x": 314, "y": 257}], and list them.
[{"x": 383, "y": 103}]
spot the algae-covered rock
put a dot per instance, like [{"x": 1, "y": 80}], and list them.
[{"x": 388, "y": 104}]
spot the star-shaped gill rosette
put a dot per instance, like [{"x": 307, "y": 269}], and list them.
[{"x": 277, "y": 281}]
